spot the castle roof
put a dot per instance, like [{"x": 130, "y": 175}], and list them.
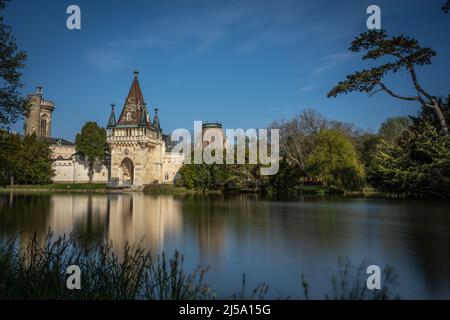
[{"x": 134, "y": 106}]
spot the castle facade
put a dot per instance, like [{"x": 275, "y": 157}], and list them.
[{"x": 137, "y": 145}]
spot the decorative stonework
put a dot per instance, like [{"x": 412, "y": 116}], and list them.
[{"x": 137, "y": 146}]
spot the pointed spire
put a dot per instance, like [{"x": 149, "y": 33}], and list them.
[
  {"x": 131, "y": 112},
  {"x": 112, "y": 117},
  {"x": 143, "y": 120},
  {"x": 156, "y": 120}
]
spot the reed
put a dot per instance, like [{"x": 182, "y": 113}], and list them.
[{"x": 36, "y": 269}]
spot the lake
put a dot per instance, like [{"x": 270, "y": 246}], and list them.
[{"x": 270, "y": 241}]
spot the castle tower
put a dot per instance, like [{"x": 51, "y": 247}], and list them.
[
  {"x": 137, "y": 147},
  {"x": 39, "y": 115}
]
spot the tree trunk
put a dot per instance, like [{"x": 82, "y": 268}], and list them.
[
  {"x": 91, "y": 172},
  {"x": 440, "y": 117},
  {"x": 11, "y": 180}
]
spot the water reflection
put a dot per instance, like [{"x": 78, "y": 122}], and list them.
[{"x": 271, "y": 241}]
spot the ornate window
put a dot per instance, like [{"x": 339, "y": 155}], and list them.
[{"x": 43, "y": 126}]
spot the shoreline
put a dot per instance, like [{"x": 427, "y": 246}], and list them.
[{"x": 166, "y": 189}]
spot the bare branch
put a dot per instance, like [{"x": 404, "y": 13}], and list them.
[{"x": 383, "y": 87}]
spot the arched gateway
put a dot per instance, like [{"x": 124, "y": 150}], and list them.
[{"x": 127, "y": 172}]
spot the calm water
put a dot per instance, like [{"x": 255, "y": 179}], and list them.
[{"x": 271, "y": 241}]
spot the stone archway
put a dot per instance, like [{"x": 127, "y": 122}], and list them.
[{"x": 127, "y": 172}]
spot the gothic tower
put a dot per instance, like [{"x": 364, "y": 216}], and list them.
[
  {"x": 39, "y": 115},
  {"x": 137, "y": 146}
]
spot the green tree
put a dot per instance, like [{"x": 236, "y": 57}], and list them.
[
  {"x": 297, "y": 134},
  {"x": 407, "y": 54},
  {"x": 91, "y": 145},
  {"x": 12, "y": 105},
  {"x": 366, "y": 145},
  {"x": 393, "y": 127},
  {"x": 287, "y": 178},
  {"x": 34, "y": 162},
  {"x": 334, "y": 159},
  {"x": 10, "y": 149},
  {"x": 417, "y": 164}
]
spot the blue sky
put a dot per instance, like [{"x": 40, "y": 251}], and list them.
[{"x": 244, "y": 63}]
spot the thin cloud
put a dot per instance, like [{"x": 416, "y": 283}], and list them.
[
  {"x": 306, "y": 89},
  {"x": 105, "y": 60},
  {"x": 332, "y": 61}
]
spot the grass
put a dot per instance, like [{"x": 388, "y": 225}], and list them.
[
  {"x": 170, "y": 189},
  {"x": 61, "y": 186},
  {"x": 37, "y": 270}
]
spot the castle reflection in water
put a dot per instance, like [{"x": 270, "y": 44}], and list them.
[
  {"x": 153, "y": 222},
  {"x": 270, "y": 240}
]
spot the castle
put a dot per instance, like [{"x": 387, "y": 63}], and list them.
[{"x": 137, "y": 145}]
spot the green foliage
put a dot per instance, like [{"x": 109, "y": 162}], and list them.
[
  {"x": 406, "y": 54},
  {"x": 24, "y": 161},
  {"x": 10, "y": 149},
  {"x": 35, "y": 162},
  {"x": 416, "y": 164},
  {"x": 427, "y": 115},
  {"x": 219, "y": 177},
  {"x": 91, "y": 145},
  {"x": 12, "y": 105},
  {"x": 393, "y": 127},
  {"x": 287, "y": 178},
  {"x": 334, "y": 159},
  {"x": 366, "y": 144}
]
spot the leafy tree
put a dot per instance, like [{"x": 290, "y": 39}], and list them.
[
  {"x": 416, "y": 164},
  {"x": 393, "y": 127},
  {"x": 12, "y": 105},
  {"x": 334, "y": 159},
  {"x": 407, "y": 54},
  {"x": 24, "y": 161},
  {"x": 287, "y": 178},
  {"x": 297, "y": 134},
  {"x": 35, "y": 163},
  {"x": 10, "y": 148},
  {"x": 91, "y": 145},
  {"x": 365, "y": 146}
]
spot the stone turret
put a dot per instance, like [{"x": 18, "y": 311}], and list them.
[{"x": 39, "y": 115}]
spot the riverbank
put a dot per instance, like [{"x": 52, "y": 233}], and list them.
[
  {"x": 170, "y": 189},
  {"x": 58, "y": 187}
]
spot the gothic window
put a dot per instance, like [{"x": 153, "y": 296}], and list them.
[
  {"x": 166, "y": 176},
  {"x": 43, "y": 127},
  {"x": 129, "y": 116}
]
